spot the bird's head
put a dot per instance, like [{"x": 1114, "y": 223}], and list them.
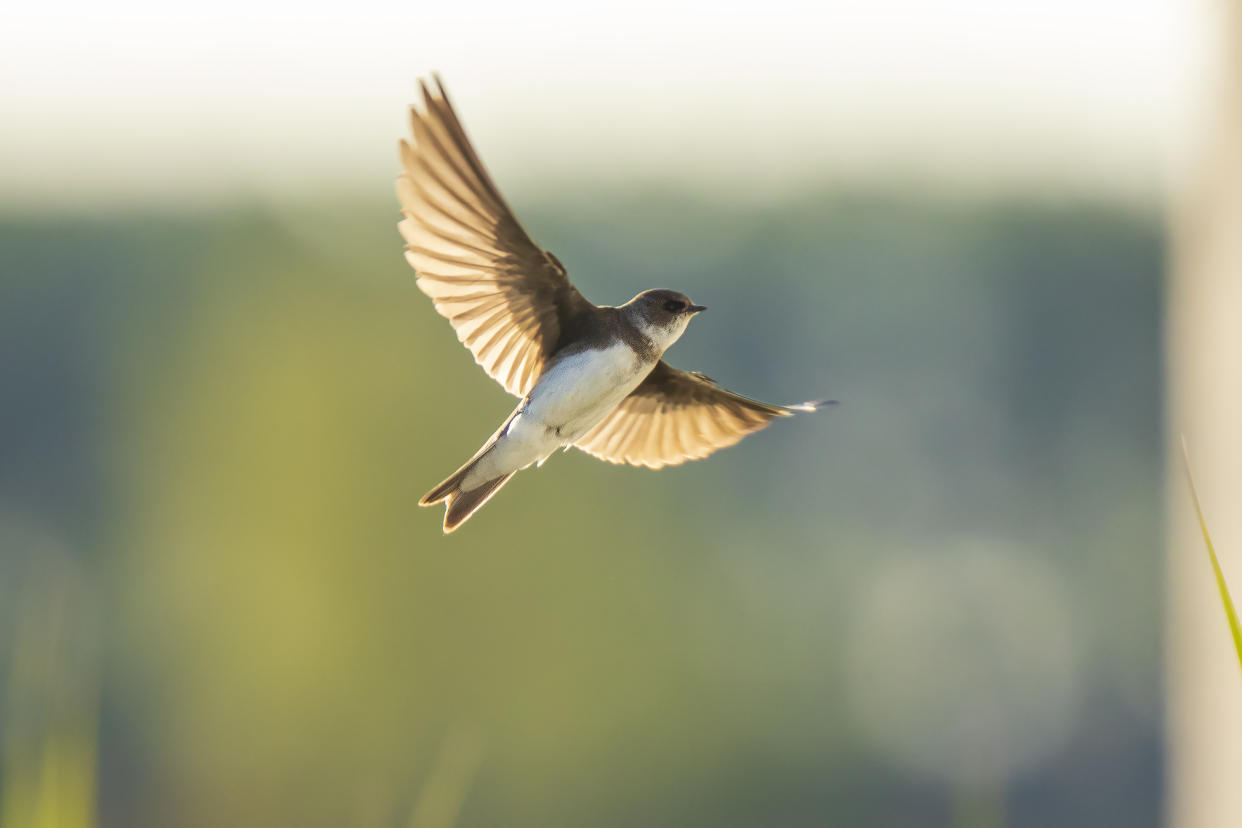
[{"x": 662, "y": 314}]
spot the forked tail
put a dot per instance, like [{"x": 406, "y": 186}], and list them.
[{"x": 460, "y": 504}]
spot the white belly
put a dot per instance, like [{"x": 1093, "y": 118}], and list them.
[
  {"x": 580, "y": 390},
  {"x": 570, "y": 399}
]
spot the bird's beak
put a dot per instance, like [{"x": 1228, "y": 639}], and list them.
[{"x": 697, "y": 308}]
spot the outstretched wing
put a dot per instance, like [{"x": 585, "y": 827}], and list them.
[
  {"x": 675, "y": 416},
  {"x": 508, "y": 300}
]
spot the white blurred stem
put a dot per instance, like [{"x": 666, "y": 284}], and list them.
[{"x": 1204, "y": 350}]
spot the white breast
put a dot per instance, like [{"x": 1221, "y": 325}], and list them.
[
  {"x": 580, "y": 390},
  {"x": 568, "y": 401}
]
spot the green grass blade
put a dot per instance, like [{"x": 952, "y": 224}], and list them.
[{"x": 1225, "y": 600}]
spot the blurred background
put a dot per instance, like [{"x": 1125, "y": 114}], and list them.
[{"x": 221, "y": 395}]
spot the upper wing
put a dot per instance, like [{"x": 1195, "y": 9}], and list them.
[
  {"x": 675, "y": 416},
  {"x": 508, "y": 300}
]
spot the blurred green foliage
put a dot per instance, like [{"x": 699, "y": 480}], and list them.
[{"x": 225, "y": 419}]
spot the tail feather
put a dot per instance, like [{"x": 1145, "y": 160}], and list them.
[
  {"x": 446, "y": 488},
  {"x": 460, "y": 503}
]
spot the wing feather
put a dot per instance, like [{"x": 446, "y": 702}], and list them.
[
  {"x": 509, "y": 301},
  {"x": 675, "y": 416}
]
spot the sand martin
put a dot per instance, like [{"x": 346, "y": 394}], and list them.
[{"x": 588, "y": 376}]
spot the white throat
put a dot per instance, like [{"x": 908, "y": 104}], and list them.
[{"x": 663, "y": 336}]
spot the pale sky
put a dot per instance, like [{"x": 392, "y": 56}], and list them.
[{"x": 141, "y": 100}]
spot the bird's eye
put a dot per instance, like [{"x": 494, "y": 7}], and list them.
[{"x": 673, "y": 306}]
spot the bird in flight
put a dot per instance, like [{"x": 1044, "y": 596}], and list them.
[{"x": 587, "y": 376}]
